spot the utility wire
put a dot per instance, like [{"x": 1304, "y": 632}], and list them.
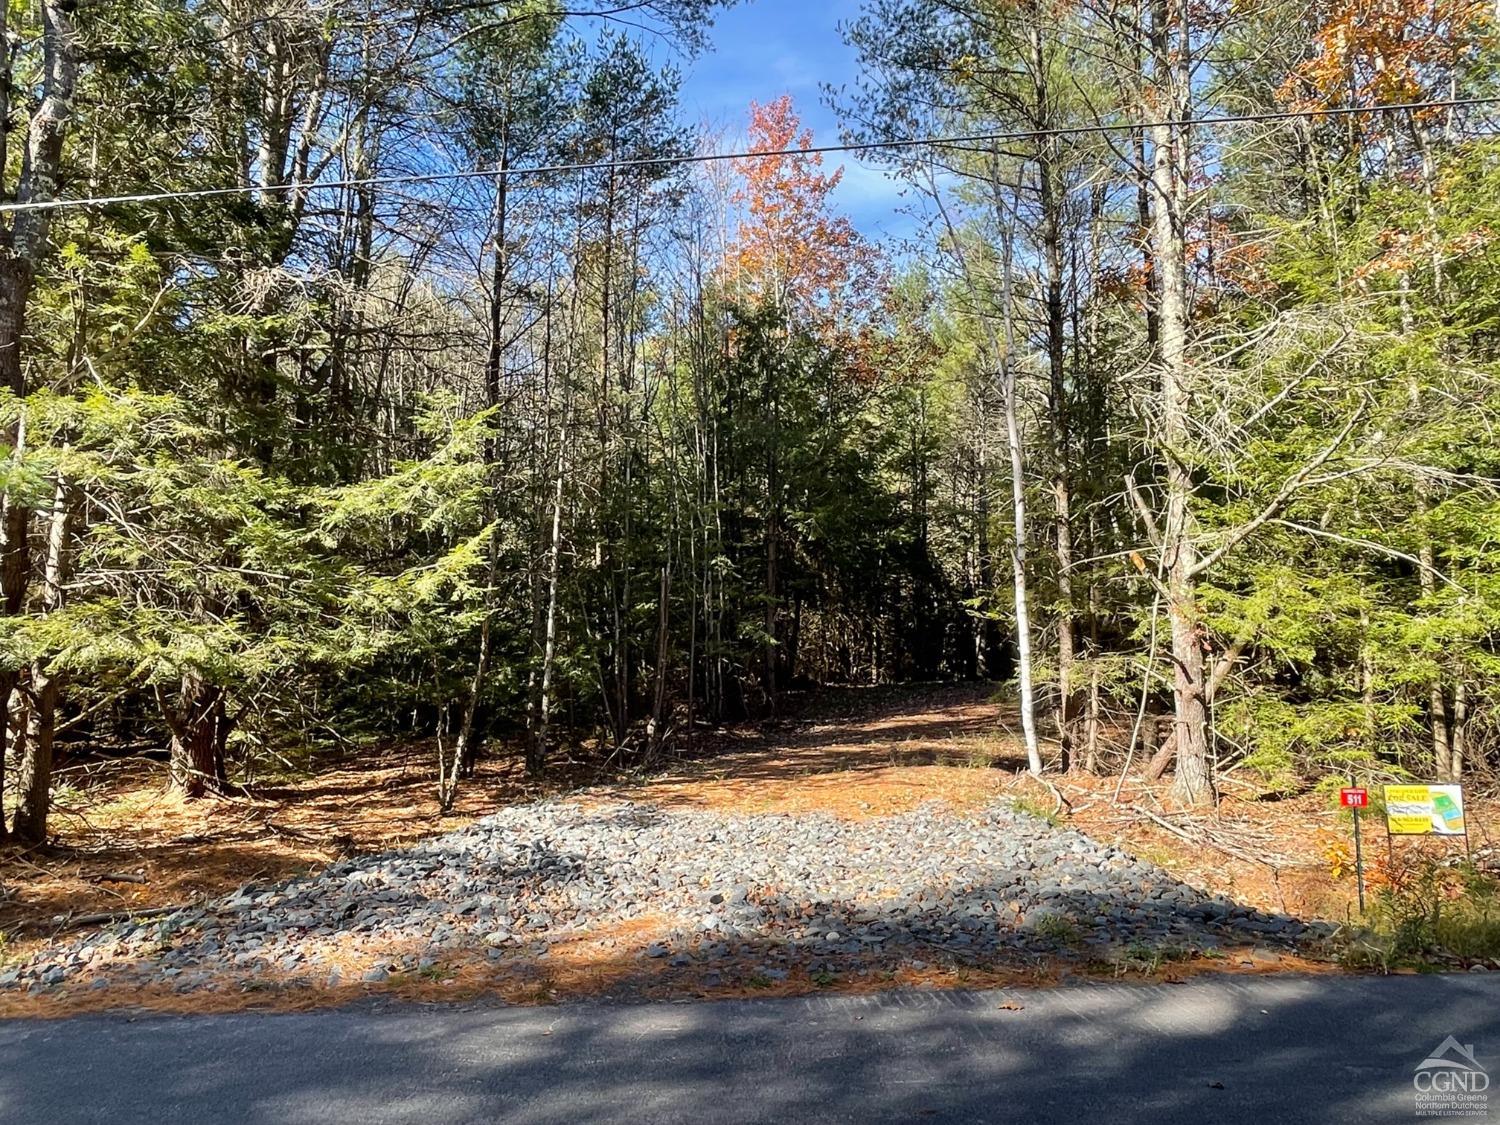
[{"x": 712, "y": 157}]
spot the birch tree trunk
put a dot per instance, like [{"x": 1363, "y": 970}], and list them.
[
  {"x": 536, "y": 750},
  {"x": 1458, "y": 733},
  {"x": 986, "y": 647},
  {"x": 1018, "y": 503},
  {"x": 1018, "y": 570}
]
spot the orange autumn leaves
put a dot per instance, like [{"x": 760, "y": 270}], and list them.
[
  {"x": 1383, "y": 52},
  {"x": 791, "y": 247},
  {"x": 1374, "y": 52}
]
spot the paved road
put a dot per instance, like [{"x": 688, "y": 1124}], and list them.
[{"x": 1217, "y": 1051}]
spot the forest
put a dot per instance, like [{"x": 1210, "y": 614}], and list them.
[{"x": 420, "y": 370}]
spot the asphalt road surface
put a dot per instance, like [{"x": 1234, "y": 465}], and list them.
[{"x": 1211, "y": 1052}]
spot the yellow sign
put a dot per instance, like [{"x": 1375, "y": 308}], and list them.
[{"x": 1425, "y": 810}]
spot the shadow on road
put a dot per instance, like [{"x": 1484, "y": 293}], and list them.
[{"x": 1222, "y": 1051}]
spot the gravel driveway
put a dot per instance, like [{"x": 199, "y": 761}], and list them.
[{"x": 726, "y": 897}]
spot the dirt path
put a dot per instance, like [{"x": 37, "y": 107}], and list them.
[{"x": 854, "y": 753}]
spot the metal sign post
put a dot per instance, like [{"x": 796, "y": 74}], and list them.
[{"x": 1356, "y": 799}]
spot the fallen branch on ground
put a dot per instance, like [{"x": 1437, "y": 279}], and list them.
[
  {"x": 1202, "y": 837},
  {"x": 1062, "y": 802},
  {"x": 295, "y": 834},
  {"x": 72, "y": 921}
]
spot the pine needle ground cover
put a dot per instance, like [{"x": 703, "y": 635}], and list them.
[{"x": 866, "y": 781}]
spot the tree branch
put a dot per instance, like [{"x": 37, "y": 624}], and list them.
[
  {"x": 1152, "y": 531},
  {"x": 1278, "y": 502}
]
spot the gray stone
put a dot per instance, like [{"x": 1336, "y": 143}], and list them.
[{"x": 532, "y": 875}]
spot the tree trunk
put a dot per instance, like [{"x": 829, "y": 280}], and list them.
[
  {"x": 7, "y": 690},
  {"x": 986, "y": 641},
  {"x": 1458, "y": 732},
  {"x": 1367, "y": 684},
  {"x": 1441, "y": 725},
  {"x": 15, "y": 517},
  {"x": 1050, "y": 199},
  {"x": 1092, "y": 716},
  {"x": 1161, "y": 761},
  {"x": 616, "y": 677},
  {"x": 470, "y": 729},
  {"x": 34, "y": 774},
  {"x": 34, "y": 779},
  {"x": 471, "y": 725},
  {"x": 21, "y": 249},
  {"x": 1194, "y": 782},
  {"x": 663, "y": 642},
  {"x": 536, "y": 747},
  {"x": 1018, "y": 577},
  {"x": 770, "y": 405},
  {"x": 769, "y": 655},
  {"x": 1018, "y": 502},
  {"x": 200, "y": 734}
]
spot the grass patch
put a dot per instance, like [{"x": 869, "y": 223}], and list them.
[
  {"x": 979, "y": 751},
  {"x": 1029, "y": 807},
  {"x": 1056, "y": 927},
  {"x": 1144, "y": 957},
  {"x": 1427, "y": 914}
]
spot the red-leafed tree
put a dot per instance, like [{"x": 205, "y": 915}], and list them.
[{"x": 791, "y": 247}]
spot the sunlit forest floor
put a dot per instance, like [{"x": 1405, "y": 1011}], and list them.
[
  {"x": 855, "y": 752},
  {"x": 125, "y": 844}
]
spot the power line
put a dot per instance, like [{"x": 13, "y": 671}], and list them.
[{"x": 712, "y": 157}]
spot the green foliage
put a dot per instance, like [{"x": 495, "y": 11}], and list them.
[
  {"x": 394, "y": 461},
  {"x": 1427, "y": 912},
  {"x": 1055, "y": 926},
  {"x": 1029, "y": 807}
]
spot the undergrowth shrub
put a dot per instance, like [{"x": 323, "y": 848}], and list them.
[{"x": 1427, "y": 910}]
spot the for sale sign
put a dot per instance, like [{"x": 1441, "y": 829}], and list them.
[
  {"x": 1354, "y": 798},
  {"x": 1424, "y": 810}
]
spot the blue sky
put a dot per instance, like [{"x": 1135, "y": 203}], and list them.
[{"x": 764, "y": 48}]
